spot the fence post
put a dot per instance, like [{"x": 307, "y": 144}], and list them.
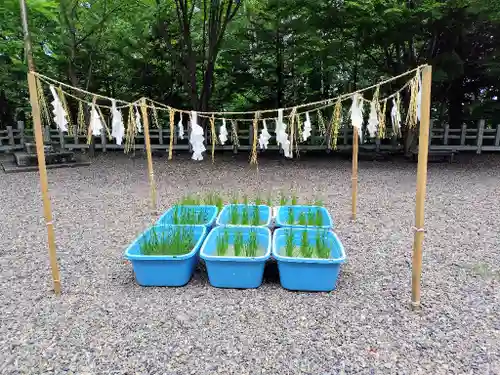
[
  {"x": 20, "y": 126},
  {"x": 446, "y": 133},
  {"x": 463, "y": 134},
  {"x": 61, "y": 139},
  {"x": 103, "y": 141},
  {"x": 46, "y": 135},
  {"x": 160, "y": 135},
  {"x": 11, "y": 135},
  {"x": 497, "y": 137},
  {"x": 480, "y": 133}
]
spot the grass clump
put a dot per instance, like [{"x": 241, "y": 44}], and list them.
[
  {"x": 238, "y": 244},
  {"x": 178, "y": 241},
  {"x": 290, "y": 217},
  {"x": 234, "y": 215},
  {"x": 269, "y": 201},
  {"x": 322, "y": 249},
  {"x": 251, "y": 245},
  {"x": 318, "y": 218},
  {"x": 189, "y": 216},
  {"x": 245, "y": 216},
  {"x": 295, "y": 200},
  {"x": 222, "y": 244},
  {"x": 289, "y": 246},
  {"x": 190, "y": 200},
  {"x": 302, "y": 219},
  {"x": 255, "y": 216},
  {"x": 305, "y": 248},
  {"x": 283, "y": 199}
]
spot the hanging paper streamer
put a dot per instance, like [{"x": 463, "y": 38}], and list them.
[
  {"x": 60, "y": 116},
  {"x": 180, "y": 127},
  {"x": 357, "y": 114},
  {"x": 96, "y": 125},
  {"x": 419, "y": 94},
  {"x": 396, "y": 115},
  {"x": 117, "y": 127},
  {"x": 281, "y": 136},
  {"x": 264, "y": 136},
  {"x": 223, "y": 132},
  {"x": 138, "y": 123},
  {"x": 196, "y": 138},
  {"x": 306, "y": 133}
]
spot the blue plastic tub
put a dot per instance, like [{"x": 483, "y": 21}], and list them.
[
  {"x": 236, "y": 271},
  {"x": 265, "y": 214},
  {"x": 282, "y": 216},
  {"x": 169, "y": 217},
  {"x": 165, "y": 270},
  {"x": 308, "y": 274}
]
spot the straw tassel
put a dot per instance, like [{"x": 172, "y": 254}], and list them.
[
  {"x": 292, "y": 131},
  {"x": 381, "y": 120},
  {"x": 44, "y": 109},
  {"x": 171, "y": 115},
  {"x": 411, "y": 117},
  {"x": 234, "y": 134},
  {"x": 336, "y": 121},
  {"x": 81, "y": 119},
  {"x": 321, "y": 124},
  {"x": 213, "y": 136}
]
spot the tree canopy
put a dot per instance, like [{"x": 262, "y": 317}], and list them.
[{"x": 249, "y": 55}]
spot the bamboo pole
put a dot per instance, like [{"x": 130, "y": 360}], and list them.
[
  {"x": 145, "y": 121},
  {"x": 355, "y": 140},
  {"x": 423, "y": 150},
  {"x": 42, "y": 170}
]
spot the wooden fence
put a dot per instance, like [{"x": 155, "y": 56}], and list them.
[{"x": 475, "y": 139}]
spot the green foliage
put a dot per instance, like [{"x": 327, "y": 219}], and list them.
[
  {"x": 178, "y": 241},
  {"x": 255, "y": 216},
  {"x": 222, "y": 243},
  {"x": 322, "y": 249},
  {"x": 251, "y": 246},
  {"x": 189, "y": 215},
  {"x": 239, "y": 245},
  {"x": 289, "y": 243}
]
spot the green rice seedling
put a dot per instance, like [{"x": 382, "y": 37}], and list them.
[
  {"x": 255, "y": 216},
  {"x": 318, "y": 219},
  {"x": 234, "y": 199},
  {"x": 251, "y": 245},
  {"x": 310, "y": 217},
  {"x": 269, "y": 201},
  {"x": 283, "y": 199},
  {"x": 190, "y": 200},
  {"x": 245, "y": 200},
  {"x": 289, "y": 246},
  {"x": 322, "y": 250},
  {"x": 245, "y": 216},
  {"x": 295, "y": 200},
  {"x": 174, "y": 242},
  {"x": 219, "y": 202},
  {"x": 318, "y": 202},
  {"x": 222, "y": 244},
  {"x": 238, "y": 244},
  {"x": 234, "y": 215},
  {"x": 305, "y": 249},
  {"x": 290, "y": 218},
  {"x": 258, "y": 200},
  {"x": 302, "y": 218}
]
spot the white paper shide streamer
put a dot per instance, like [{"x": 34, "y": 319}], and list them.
[
  {"x": 419, "y": 95},
  {"x": 281, "y": 135},
  {"x": 196, "y": 138},
  {"x": 180, "y": 127},
  {"x": 223, "y": 132},
  {"x": 95, "y": 121},
  {"x": 372, "y": 120},
  {"x": 264, "y": 136},
  {"x": 60, "y": 115},
  {"x": 357, "y": 114},
  {"x": 306, "y": 133},
  {"x": 138, "y": 123},
  {"x": 117, "y": 127}
]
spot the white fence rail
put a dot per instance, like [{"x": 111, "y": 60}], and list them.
[{"x": 476, "y": 139}]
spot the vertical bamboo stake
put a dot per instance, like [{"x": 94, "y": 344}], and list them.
[
  {"x": 354, "y": 170},
  {"x": 47, "y": 209},
  {"x": 423, "y": 150},
  {"x": 145, "y": 122},
  {"x": 37, "y": 124}
]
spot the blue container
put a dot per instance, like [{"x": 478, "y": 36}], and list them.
[
  {"x": 308, "y": 274},
  {"x": 165, "y": 270},
  {"x": 169, "y": 217},
  {"x": 265, "y": 214},
  {"x": 282, "y": 216},
  {"x": 236, "y": 271}
]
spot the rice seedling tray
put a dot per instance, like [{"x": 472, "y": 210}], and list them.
[
  {"x": 303, "y": 217},
  {"x": 166, "y": 255},
  {"x": 189, "y": 215},
  {"x": 308, "y": 259},
  {"x": 245, "y": 215},
  {"x": 235, "y": 257}
]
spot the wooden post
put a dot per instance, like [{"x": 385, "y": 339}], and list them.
[
  {"x": 423, "y": 151},
  {"x": 10, "y": 133},
  {"x": 103, "y": 140},
  {"x": 47, "y": 209},
  {"x": 37, "y": 125},
  {"x": 354, "y": 171},
  {"x": 20, "y": 127},
  {"x": 480, "y": 134},
  {"x": 147, "y": 141},
  {"x": 446, "y": 132},
  {"x": 463, "y": 133},
  {"x": 497, "y": 136}
]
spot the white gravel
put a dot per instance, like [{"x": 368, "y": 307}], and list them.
[{"x": 104, "y": 323}]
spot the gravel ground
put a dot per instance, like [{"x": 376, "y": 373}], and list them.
[{"x": 104, "y": 323}]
